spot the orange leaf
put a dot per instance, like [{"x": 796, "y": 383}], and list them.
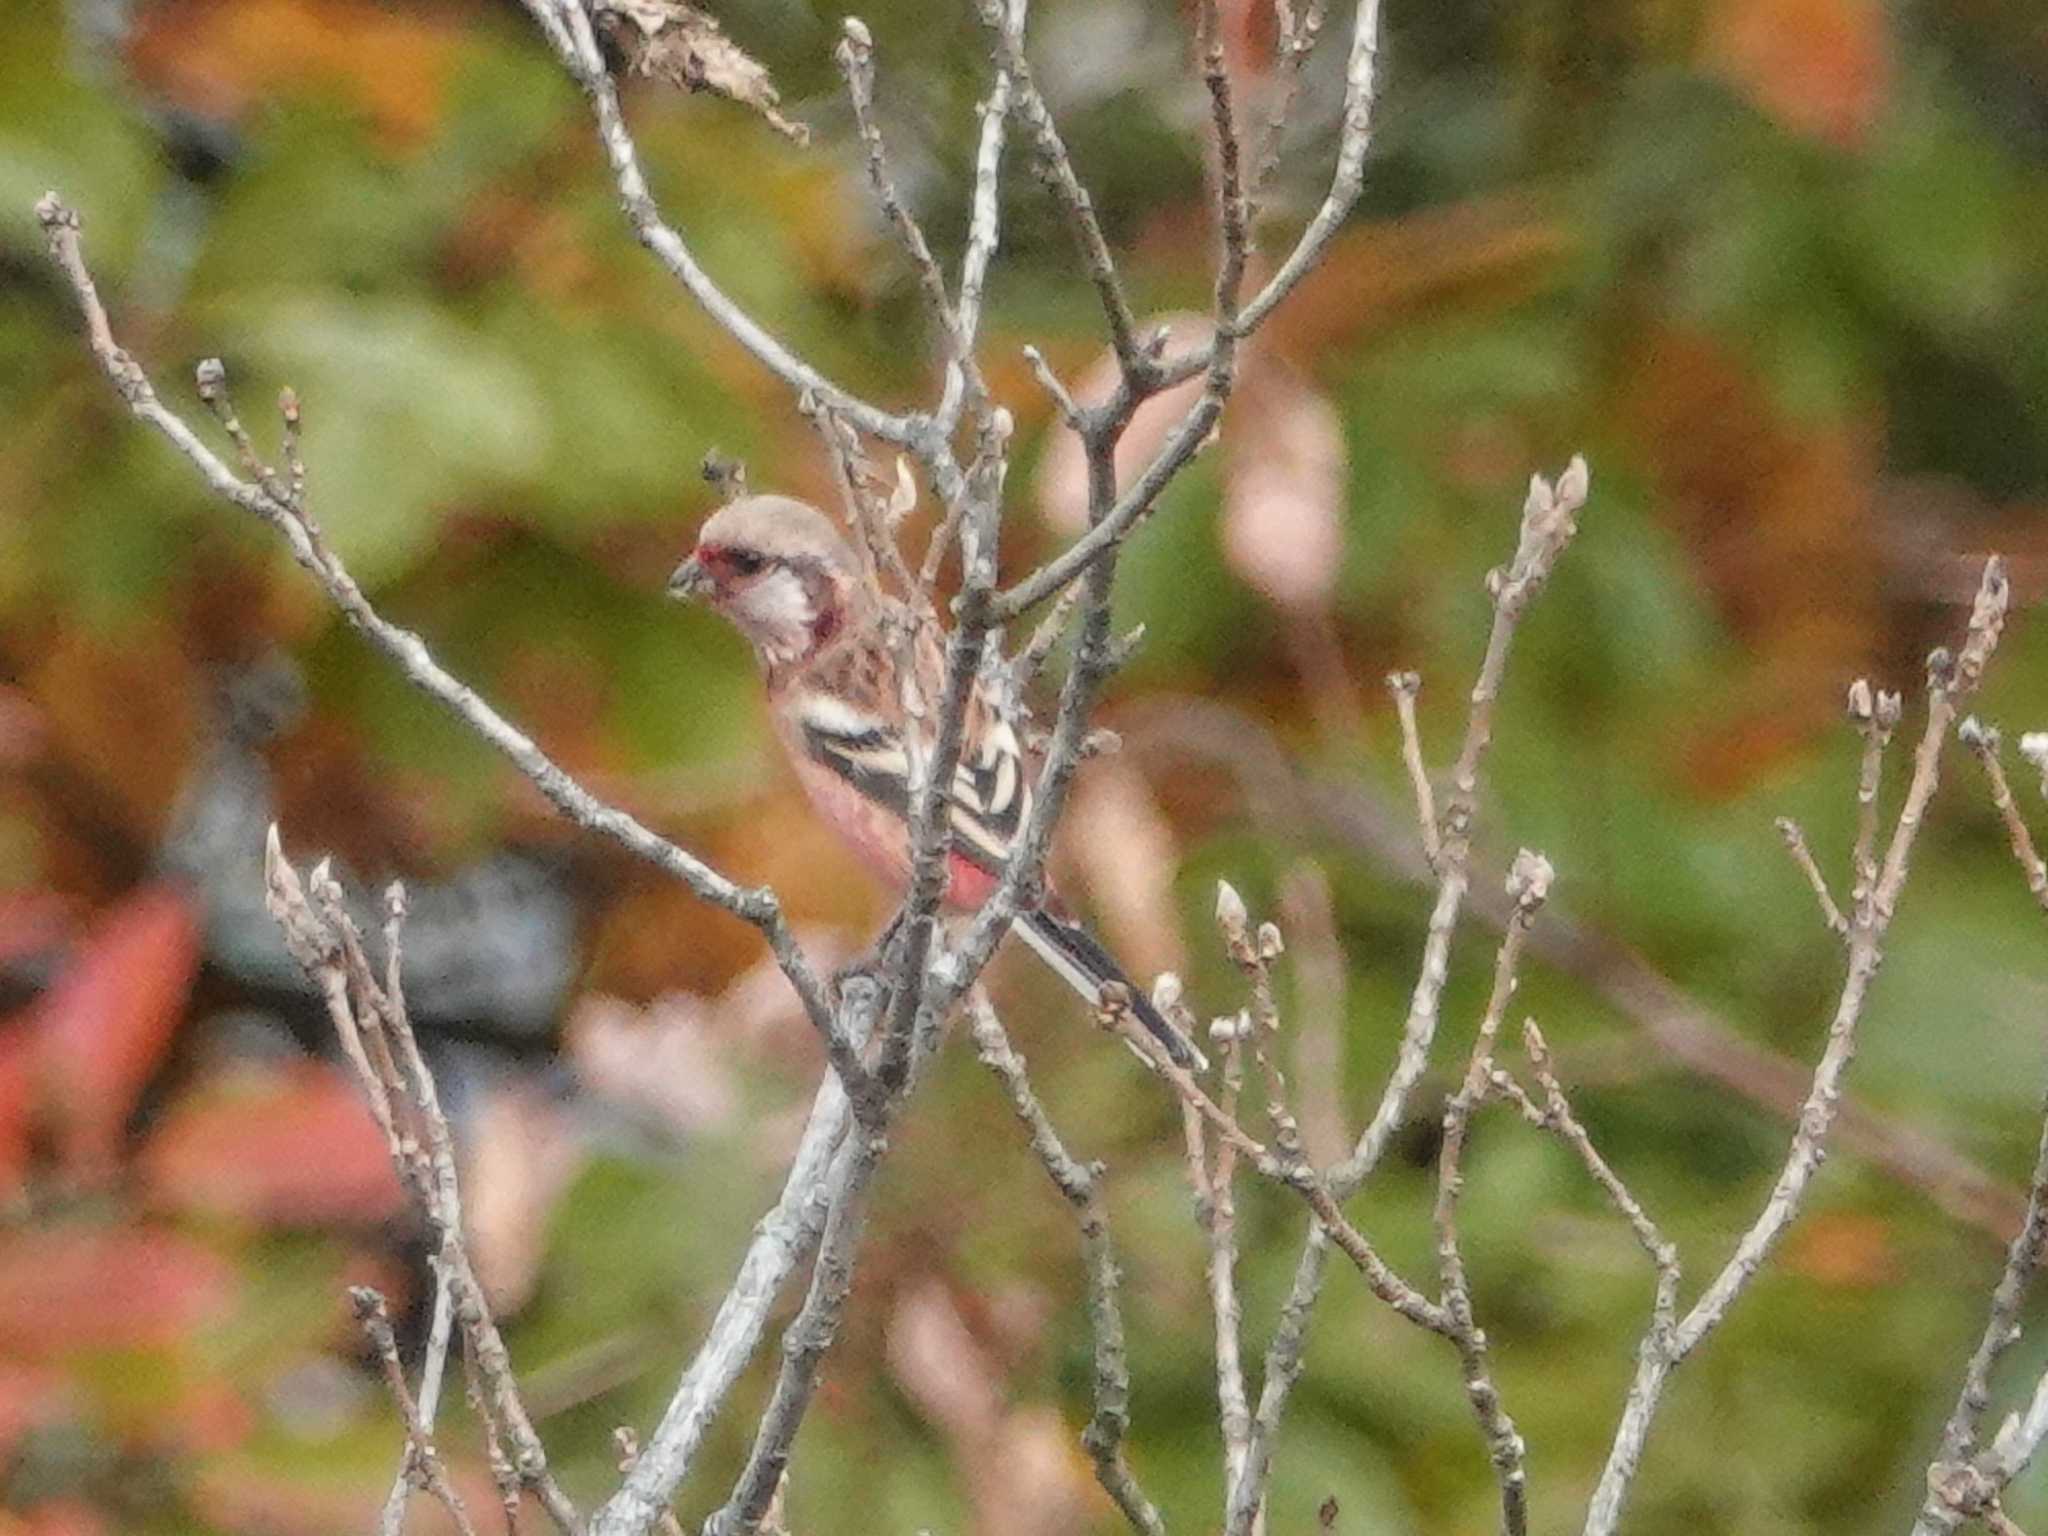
[
  {"x": 280, "y": 1147},
  {"x": 223, "y": 60},
  {"x": 73, "y": 1288},
  {"x": 108, "y": 1017},
  {"x": 1819, "y": 67}
]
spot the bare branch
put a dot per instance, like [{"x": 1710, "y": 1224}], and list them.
[
  {"x": 1556, "y": 1116},
  {"x": 1875, "y": 714},
  {"x": 1983, "y": 742},
  {"x": 1215, "y": 1191},
  {"x": 1233, "y": 212},
  {"x": 1404, "y": 686},
  {"x": 1957, "y": 1484},
  {"x": 1297, "y": 40},
  {"x": 1080, "y": 1185},
  {"x": 1346, "y": 182},
  {"x": 1063, "y": 402},
  {"x": 983, "y": 226},
  {"x": 1187, "y": 438},
  {"x": 422, "y": 1460},
  {"x": 1802, "y": 855},
  {"x": 856, "y": 57},
  {"x": 1528, "y": 887},
  {"x": 805, "y": 1341},
  {"x": 433, "y": 1370},
  {"x": 567, "y": 28},
  {"x": 1951, "y": 678},
  {"x": 1549, "y": 521},
  {"x": 371, "y": 1017},
  {"x": 756, "y": 906},
  {"x": 1961, "y": 1482},
  {"x": 1006, "y": 27},
  {"x": 781, "y": 1238}
]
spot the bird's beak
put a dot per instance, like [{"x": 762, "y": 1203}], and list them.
[{"x": 690, "y": 581}]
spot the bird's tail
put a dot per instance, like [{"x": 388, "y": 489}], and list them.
[{"x": 1087, "y": 967}]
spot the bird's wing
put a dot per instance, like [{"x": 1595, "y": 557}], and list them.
[{"x": 991, "y": 791}]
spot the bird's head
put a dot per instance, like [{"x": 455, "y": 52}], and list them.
[{"x": 777, "y": 569}]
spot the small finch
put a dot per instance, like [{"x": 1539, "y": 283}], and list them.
[{"x": 789, "y": 582}]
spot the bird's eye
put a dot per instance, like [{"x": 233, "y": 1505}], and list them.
[{"x": 745, "y": 562}]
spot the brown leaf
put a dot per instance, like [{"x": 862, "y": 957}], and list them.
[
  {"x": 669, "y": 1060},
  {"x": 1284, "y": 489},
  {"x": 941, "y": 1366},
  {"x": 686, "y": 46},
  {"x": 518, "y": 1155},
  {"x": 1844, "y": 1249},
  {"x": 106, "y": 1021},
  {"x": 75, "y": 1288},
  {"x": 1128, "y": 855},
  {"x": 279, "y": 1146}
]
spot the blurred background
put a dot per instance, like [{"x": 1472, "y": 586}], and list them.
[{"x": 1775, "y": 266}]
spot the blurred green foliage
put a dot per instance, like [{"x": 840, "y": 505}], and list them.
[{"x": 1776, "y": 268}]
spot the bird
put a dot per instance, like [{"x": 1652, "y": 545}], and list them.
[{"x": 784, "y": 575}]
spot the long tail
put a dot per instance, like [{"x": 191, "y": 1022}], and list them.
[{"x": 1086, "y": 966}]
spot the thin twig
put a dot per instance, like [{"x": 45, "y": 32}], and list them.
[
  {"x": 1528, "y": 887},
  {"x": 1233, "y": 214},
  {"x": 1951, "y": 678},
  {"x": 805, "y": 1342},
  {"x": 422, "y": 1460},
  {"x": 433, "y": 1371},
  {"x": 322, "y": 937},
  {"x": 1875, "y": 714},
  {"x": 1080, "y": 1184},
  {"x": 1006, "y": 26},
  {"x": 1959, "y": 1487},
  {"x": 756, "y": 906},
  {"x": 1556, "y": 1115},
  {"x": 1983, "y": 742},
  {"x": 1548, "y": 523},
  {"x": 983, "y": 227},
  {"x": 1297, "y": 40},
  {"x": 1215, "y": 1190},
  {"x": 1802, "y": 855},
  {"x": 1062, "y": 400},
  {"x": 566, "y": 25},
  {"x": 1404, "y": 686},
  {"x": 856, "y": 57}
]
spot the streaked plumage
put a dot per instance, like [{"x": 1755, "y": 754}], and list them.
[{"x": 790, "y": 583}]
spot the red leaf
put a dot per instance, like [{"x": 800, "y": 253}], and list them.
[
  {"x": 62, "y": 1517},
  {"x": 280, "y": 1147},
  {"x": 17, "y": 1095},
  {"x": 109, "y": 1016},
  {"x": 72, "y": 1288}
]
